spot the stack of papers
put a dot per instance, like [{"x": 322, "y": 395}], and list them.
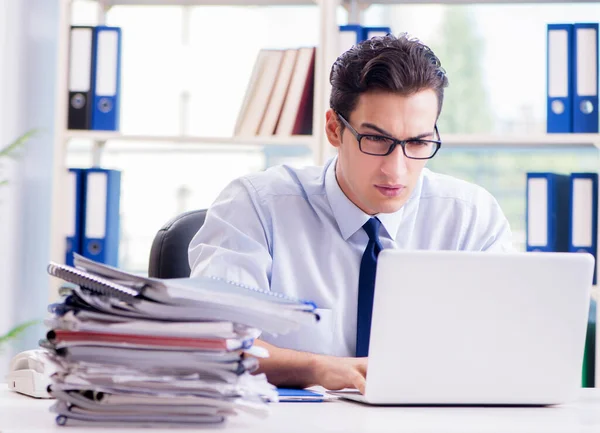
[{"x": 130, "y": 350}]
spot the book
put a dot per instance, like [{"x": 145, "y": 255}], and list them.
[
  {"x": 258, "y": 94},
  {"x": 280, "y": 91},
  {"x": 297, "y": 112}
]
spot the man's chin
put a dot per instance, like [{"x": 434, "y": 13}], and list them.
[{"x": 390, "y": 205}]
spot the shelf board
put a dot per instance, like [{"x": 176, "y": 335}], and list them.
[
  {"x": 448, "y": 140},
  {"x": 104, "y": 136},
  {"x": 109, "y": 3},
  {"x": 462, "y": 2},
  {"x": 523, "y": 141}
]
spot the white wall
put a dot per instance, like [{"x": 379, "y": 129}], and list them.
[{"x": 28, "y": 62}]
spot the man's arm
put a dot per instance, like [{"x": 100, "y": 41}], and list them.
[
  {"x": 290, "y": 368},
  {"x": 234, "y": 244},
  {"x": 234, "y": 241}
]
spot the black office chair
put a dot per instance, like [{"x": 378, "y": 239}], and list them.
[{"x": 169, "y": 251}]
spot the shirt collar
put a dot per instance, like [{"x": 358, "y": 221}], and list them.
[{"x": 349, "y": 217}]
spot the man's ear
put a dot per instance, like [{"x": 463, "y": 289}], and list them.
[{"x": 333, "y": 128}]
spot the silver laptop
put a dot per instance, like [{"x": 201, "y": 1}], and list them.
[{"x": 471, "y": 328}]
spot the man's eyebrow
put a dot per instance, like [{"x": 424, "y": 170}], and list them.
[{"x": 384, "y": 132}]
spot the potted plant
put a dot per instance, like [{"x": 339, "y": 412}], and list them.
[
  {"x": 15, "y": 332},
  {"x": 12, "y": 149}
]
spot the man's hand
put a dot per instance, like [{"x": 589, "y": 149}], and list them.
[
  {"x": 291, "y": 368},
  {"x": 337, "y": 373}
]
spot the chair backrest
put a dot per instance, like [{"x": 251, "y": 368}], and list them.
[{"x": 169, "y": 252}]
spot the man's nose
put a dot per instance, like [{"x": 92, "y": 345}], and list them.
[{"x": 395, "y": 164}]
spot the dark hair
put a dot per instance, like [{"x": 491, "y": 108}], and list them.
[{"x": 400, "y": 64}]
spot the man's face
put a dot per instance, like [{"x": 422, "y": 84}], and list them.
[{"x": 382, "y": 184}]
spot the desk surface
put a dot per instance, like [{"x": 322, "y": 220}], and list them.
[{"x": 19, "y": 413}]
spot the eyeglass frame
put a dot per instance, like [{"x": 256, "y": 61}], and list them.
[{"x": 395, "y": 142}]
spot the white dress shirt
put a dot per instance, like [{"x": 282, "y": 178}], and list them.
[{"x": 294, "y": 231}]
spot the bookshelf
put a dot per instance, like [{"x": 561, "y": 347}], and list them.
[
  {"x": 104, "y": 136},
  {"x": 326, "y": 54},
  {"x": 109, "y": 3},
  {"x": 459, "y": 2},
  {"x": 521, "y": 141},
  {"x": 449, "y": 140}
]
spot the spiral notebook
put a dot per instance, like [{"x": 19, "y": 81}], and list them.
[
  {"x": 183, "y": 299},
  {"x": 165, "y": 290},
  {"x": 93, "y": 282},
  {"x": 267, "y": 317}
]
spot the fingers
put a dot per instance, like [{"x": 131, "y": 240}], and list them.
[
  {"x": 358, "y": 381},
  {"x": 361, "y": 366}
]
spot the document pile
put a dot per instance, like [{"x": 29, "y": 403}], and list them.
[{"x": 130, "y": 350}]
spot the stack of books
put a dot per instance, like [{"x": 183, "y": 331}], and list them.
[
  {"x": 279, "y": 97},
  {"x": 130, "y": 350}
]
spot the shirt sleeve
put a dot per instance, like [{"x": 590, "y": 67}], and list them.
[
  {"x": 489, "y": 229},
  {"x": 234, "y": 241}
]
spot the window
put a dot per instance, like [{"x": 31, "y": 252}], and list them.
[{"x": 495, "y": 56}]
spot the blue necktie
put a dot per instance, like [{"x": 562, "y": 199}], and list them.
[{"x": 366, "y": 287}]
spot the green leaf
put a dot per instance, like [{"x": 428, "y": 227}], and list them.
[
  {"x": 4, "y": 182},
  {"x": 17, "y": 330},
  {"x": 17, "y": 144}
]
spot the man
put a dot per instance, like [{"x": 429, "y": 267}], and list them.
[{"x": 315, "y": 232}]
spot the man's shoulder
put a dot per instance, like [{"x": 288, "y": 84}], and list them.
[
  {"x": 282, "y": 180},
  {"x": 445, "y": 187}
]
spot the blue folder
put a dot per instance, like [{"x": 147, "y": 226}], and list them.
[
  {"x": 102, "y": 228},
  {"x": 369, "y": 32},
  {"x": 547, "y": 212},
  {"x": 76, "y": 212},
  {"x": 559, "y": 89},
  {"x": 583, "y": 209},
  {"x": 585, "y": 78},
  {"x": 106, "y": 78},
  {"x": 348, "y": 36}
]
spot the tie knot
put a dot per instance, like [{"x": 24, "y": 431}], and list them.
[{"x": 372, "y": 229}]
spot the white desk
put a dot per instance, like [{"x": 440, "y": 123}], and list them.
[{"x": 20, "y": 413}]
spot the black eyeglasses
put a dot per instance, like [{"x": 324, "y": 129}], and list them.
[{"x": 381, "y": 145}]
